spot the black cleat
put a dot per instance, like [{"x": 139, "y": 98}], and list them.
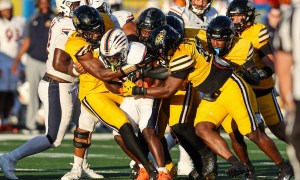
[
  {"x": 209, "y": 168},
  {"x": 250, "y": 175},
  {"x": 194, "y": 175},
  {"x": 236, "y": 169},
  {"x": 286, "y": 173}
]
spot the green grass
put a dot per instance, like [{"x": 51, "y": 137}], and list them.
[{"x": 108, "y": 159}]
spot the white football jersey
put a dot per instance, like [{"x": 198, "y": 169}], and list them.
[
  {"x": 59, "y": 30},
  {"x": 10, "y": 35},
  {"x": 190, "y": 19}
]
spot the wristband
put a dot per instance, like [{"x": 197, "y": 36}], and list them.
[
  {"x": 74, "y": 71},
  {"x": 139, "y": 91},
  {"x": 268, "y": 70}
]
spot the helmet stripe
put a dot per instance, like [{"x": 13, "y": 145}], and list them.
[{"x": 107, "y": 41}]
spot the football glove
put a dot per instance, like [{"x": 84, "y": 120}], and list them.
[
  {"x": 130, "y": 88},
  {"x": 251, "y": 78}
]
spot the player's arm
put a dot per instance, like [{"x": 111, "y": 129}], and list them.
[
  {"x": 268, "y": 59},
  {"x": 94, "y": 67},
  {"x": 61, "y": 60}
]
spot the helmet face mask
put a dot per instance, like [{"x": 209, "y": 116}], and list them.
[
  {"x": 241, "y": 8},
  {"x": 114, "y": 48},
  {"x": 200, "y": 9},
  {"x": 148, "y": 20},
  {"x": 220, "y": 35},
  {"x": 67, "y": 7}
]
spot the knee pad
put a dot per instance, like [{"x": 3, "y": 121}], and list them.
[{"x": 82, "y": 139}]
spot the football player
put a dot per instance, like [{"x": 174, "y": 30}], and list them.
[
  {"x": 93, "y": 88},
  {"x": 195, "y": 15},
  {"x": 217, "y": 80},
  {"x": 122, "y": 20},
  {"x": 242, "y": 13}
]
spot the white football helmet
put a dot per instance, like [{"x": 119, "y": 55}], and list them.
[
  {"x": 198, "y": 10},
  {"x": 100, "y": 5},
  {"x": 114, "y": 48},
  {"x": 65, "y": 6}
]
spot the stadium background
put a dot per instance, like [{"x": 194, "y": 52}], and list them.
[{"x": 26, "y": 7}]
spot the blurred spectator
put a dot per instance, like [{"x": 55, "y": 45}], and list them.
[
  {"x": 221, "y": 6},
  {"x": 287, "y": 45},
  {"x": 272, "y": 20},
  {"x": 35, "y": 44},
  {"x": 11, "y": 30}
]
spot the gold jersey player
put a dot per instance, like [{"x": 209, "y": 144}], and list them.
[
  {"x": 226, "y": 94},
  {"x": 93, "y": 94}
]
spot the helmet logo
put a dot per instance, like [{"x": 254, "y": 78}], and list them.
[
  {"x": 76, "y": 20},
  {"x": 160, "y": 37}
]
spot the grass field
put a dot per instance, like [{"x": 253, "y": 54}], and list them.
[{"x": 107, "y": 158}]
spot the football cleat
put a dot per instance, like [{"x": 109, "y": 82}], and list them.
[
  {"x": 163, "y": 176},
  {"x": 194, "y": 175},
  {"x": 89, "y": 173},
  {"x": 8, "y": 167},
  {"x": 74, "y": 174},
  {"x": 250, "y": 175},
  {"x": 143, "y": 174},
  {"x": 134, "y": 172},
  {"x": 236, "y": 169},
  {"x": 286, "y": 173},
  {"x": 210, "y": 167},
  {"x": 172, "y": 169}
]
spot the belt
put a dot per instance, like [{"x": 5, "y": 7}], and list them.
[{"x": 48, "y": 79}]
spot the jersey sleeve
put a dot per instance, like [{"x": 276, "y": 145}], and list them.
[
  {"x": 263, "y": 35},
  {"x": 181, "y": 60},
  {"x": 77, "y": 47}
]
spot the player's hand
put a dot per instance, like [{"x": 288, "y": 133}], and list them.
[
  {"x": 79, "y": 68},
  {"x": 127, "y": 88}
]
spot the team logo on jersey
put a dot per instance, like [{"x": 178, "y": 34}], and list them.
[{"x": 160, "y": 37}]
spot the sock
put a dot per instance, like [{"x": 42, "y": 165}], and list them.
[
  {"x": 78, "y": 161},
  {"x": 162, "y": 169},
  {"x": 33, "y": 146},
  {"x": 84, "y": 163},
  {"x": 141, "y": 166}
]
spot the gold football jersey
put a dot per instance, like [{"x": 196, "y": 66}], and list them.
[
  {"x": 77, "y": 46},
  {"x": 259, "y": 36}
]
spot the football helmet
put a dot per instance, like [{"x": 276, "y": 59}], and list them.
[
  {"x": 89, "y": 24},
  {"x": 65, "y": 7},
  {"x": 114, "y": 48},
  {"x": 200, "y": 11},
  {"x": 220, "y": 28},
  {"x": 163, "y": 41},
  {"x": 242, "y": 7},
  {"x": 101, "y": 5},
  {"x": 177, "y": 24},
  {"x": 149, "y": 19}
]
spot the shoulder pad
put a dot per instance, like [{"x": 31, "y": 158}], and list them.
[
  {"x": 176, "y": 10},
  {"x": 137, "y": 52}
]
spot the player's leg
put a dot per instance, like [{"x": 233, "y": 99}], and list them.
[{"x": 272, "y": 115}]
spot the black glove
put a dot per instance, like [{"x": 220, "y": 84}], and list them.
[
  {"x": 251, "y": 78},
  {"x": 149, "y": 58}
]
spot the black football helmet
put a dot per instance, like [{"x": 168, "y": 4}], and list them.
[
  {"x": 220, "y": 28},
  {"x": 88, "y": 22},
  {"x": 149, "y": 19},
  {"x": 242, "y": 7},
  {"x": 163, "y": 41},
  {"x": 176, "y": 23}
]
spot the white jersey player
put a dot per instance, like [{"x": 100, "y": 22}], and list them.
[
  {"x": 195, "y": 15},
  {"x": 57, "y": 91}
]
